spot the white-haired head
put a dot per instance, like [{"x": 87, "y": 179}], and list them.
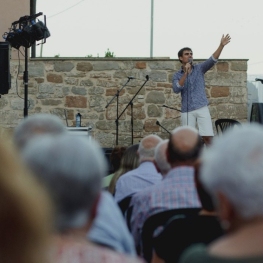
[
  {"x": 233, "y": 165},
  {"x": 71, "y": 167},
  {"x": 147, "y": 146},
  {"x": 37, "y": 124},
  {"x": 160, "y": 157}
]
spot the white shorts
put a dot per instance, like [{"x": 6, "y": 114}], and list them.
[{"x": 203, "y": 119}]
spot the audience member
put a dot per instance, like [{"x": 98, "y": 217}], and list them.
[
  {"x": 104, "y": 230},
  {"x": 37, "y": 124},
  {"x": 72, "y": 168},
  {"x": 177, "y": 189},
  {"x": 129, "y": 161},
  {"x": 143, "y": 176},
  {"x": 232, "y": 174},
  {"x": 160, "y": 159},
  {"x": 25, "y": 218},
  {"x": 115, "y": 161},
  {"x": 181, "y": 231}
]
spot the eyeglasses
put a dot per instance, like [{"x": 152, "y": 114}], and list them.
[{"x": 188, "y": 53}]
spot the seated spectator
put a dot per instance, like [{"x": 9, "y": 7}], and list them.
[
  {"x": 143, "y": 176},
  {"x": 129, "y": 161},
  {"x": 232, "y": 173},
  {"x": 25, "y": 218},
  {"x": 115, "y": 161},
  {"x": 72, "y": 168},
  {"x": 181, "y": 231},
  {"x": 177, "y": 189},
  {"x": 108, "y": 228},
  {"x": 37, "y": 124},
  {"x": 160, "y": 160}
]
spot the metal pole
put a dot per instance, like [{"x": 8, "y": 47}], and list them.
[{"x": 151, "y": 44}]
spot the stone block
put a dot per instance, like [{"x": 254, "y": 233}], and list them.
[
  {"x": 79, "y": 91},
  {"x": 84, "y": 66},
  {"x": 151, "y": 126},
  {"x": 158, "y": 76},
  {"x": 154, "y": 111},
  {"x": 155, "y": 97},
  {"x": 76, "y": 102},
  {"x": 162, "y": 65},
  {"x": 51, "y": 102},
  {"x": 239, "y": 65},
  {"x": 54, "y": 78},
  {"x": 65, "y": 66},
  {"x": 112, "y": 92},
  {"x": 217, "y": 92},
  {"x": 86, "y": 82},
  {"x": 35, "y": 69},
  {"x": 109, "y": 65},
  {"x": 222, "y": 66},
  {"x": 140, "y": 65}
]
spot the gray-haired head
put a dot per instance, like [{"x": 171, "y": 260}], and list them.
[
  {"x": 233, "y": 165},
  {"x": 160, "y": 157},
  {"x": 41, "y": 123},
  {"x": 71, "y": 168},
  {"x": 147, "y": 146}
]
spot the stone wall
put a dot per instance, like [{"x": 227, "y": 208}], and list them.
[{"x": 70, "y": 86}]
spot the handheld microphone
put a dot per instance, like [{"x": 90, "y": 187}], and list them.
[
  {"x": 147, "y": 77},
  {"x": 190, "y": 60},
  {"x": 131, "y": 77},
  {"x": 158, "y": 123}
]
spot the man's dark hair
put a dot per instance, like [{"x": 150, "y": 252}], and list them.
[
  {"x": 176, "y": 155},
  {"x": 181, "y": 51}
]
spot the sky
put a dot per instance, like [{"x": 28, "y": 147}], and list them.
[{"x": 89, "y": 27}]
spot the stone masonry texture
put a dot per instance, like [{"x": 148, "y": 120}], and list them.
[{"x": 67, "y": 86}]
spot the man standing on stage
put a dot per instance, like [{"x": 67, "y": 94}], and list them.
[{"x": 191, "y": 83}]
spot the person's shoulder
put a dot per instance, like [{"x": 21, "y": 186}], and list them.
[
  {"x": 195, "y": 254},
  {"x": 128, "y": 175},
  {"x": 106, "y": 255}
]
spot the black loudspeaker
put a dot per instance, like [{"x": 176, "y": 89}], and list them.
[
  {"x": 5, "y": 78},
  {"x": 257, "y": 112}
]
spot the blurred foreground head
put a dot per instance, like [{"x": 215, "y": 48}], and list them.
[
  {"x": 232, "y": 171},
  {"x": 37, "y": 124},
  {"x": 25, "y": 214},
  {"x": 72, "y": 168}
]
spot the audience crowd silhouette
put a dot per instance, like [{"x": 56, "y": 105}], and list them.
[{"x": 167, "y": 200}]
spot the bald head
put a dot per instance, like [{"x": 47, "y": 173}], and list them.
[
  {"x": 184, "y": 146},
  {"x": 147, "y": 146}
]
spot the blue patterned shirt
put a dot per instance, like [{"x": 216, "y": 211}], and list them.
[
  {"x": 176, "y": 190},
  {"x": 136, "y": 180},
  {"x": 193, "y": 91}
]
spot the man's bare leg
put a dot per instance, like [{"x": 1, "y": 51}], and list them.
[{"x": 207, "y": 140}]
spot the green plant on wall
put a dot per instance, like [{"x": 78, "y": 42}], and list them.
[
  {"x": 57, "y": 56},
  {"x": 109, "y": 54}
]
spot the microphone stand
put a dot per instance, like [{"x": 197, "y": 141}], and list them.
[
  {"x": 131, "y": 103},
  {"x": 171, "y": 108},
  {"x": 158, "y": 123},
  {"x": 117, "y": 119}
]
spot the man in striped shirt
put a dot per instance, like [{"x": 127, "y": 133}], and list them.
[{"x": 177, "y": 189}]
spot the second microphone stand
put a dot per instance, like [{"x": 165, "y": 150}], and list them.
[
  {"x": 131, "y": 103},
  {"x": 117, "y": 109}
]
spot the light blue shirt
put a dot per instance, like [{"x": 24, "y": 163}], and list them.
[
  {"x": 193, "y": 91},
  {"x": 109, "y": 227},
  {"x": 136, "y": 180}
]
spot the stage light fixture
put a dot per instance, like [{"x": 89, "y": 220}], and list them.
[{"x": 26, "y": 31}]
